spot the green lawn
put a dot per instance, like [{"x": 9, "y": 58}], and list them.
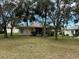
[{"x": 22, "y": 47}]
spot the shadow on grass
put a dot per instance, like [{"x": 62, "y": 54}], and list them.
[{"x": 51, "y": 38}]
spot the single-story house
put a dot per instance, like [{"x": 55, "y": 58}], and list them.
[
  {"x": 32, "y": 26},
  {"x": 74, "y": 31},
  {"x": 28, "y": 30}
]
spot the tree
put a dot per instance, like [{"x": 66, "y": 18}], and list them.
[
  {"x": 42, "y": 10},
  {"x": 6, "y": 14},
  {"x": 3, "y": 22},
  {"x": 60, "y": 15}
]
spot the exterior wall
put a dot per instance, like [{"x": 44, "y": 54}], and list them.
[
  {"x": 14, "y": 30},
  {"x": 25, "y": 32},
  {"x": 68, "y": 32}
]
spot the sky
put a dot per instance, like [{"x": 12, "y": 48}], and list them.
[
  {"x": 71, "y": 24},
  {"x": 53, "y": 0}
]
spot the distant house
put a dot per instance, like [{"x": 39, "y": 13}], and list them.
[
  {"x": 15, "y": 30},
  {"x": 73, "y": 31},
  {"x": 72, "y": 27},
  {"x": 30, "y": 29},
  {"x": 32, "y": 26}
]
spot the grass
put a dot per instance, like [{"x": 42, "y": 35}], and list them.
[{"x": 22, "y": 47}]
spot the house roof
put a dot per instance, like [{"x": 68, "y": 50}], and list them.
[
  {"x": 36, "y": 24},
  {"x": 76, "y": 27}
]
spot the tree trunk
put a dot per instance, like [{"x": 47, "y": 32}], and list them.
[
  {"x": 12, "y": 26},
  {"x": 44, "y": 29},
  {"x": 57, "y": 21},
  {"x": 56, "y": 34},
  {"x": 11, "y": 34},
  {"x": 5, "y": 32},
  {"x": 62, "y": 32},
  {"x": 4, "y": 27}
]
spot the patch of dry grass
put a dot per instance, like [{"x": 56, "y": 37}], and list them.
[{"x": 19, "y": 47}]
